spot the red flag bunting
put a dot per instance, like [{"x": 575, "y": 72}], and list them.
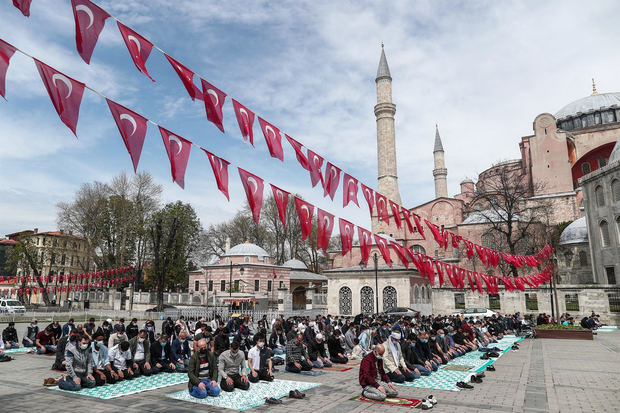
[
  {"x": 187, "y": 77},
  {"x": 346, "y": 235},
  {"x": 365, "y": 238},
  {"x": 23, "y": 6},
  {"x": 281, "y": 198},
  {"x": 65, "y": 93},
  {"x": 331, "y": 181},
  {"x": 316, "y": 163},
  {"x": 89, "y": 22},
  {"x": 382, "y": 211},
  {"x": 273, "y": 139},
  {"x": 305, "y": 211},
  {"x": 400, "y": 253},
  {"x": 349, "y": 190},
  {"x": 301, "y": 158},
  {"x": 133, "y": 130},
  {"x": 325, "y": 226},
  {"x": 139, "y": 48},
  {"x": 214, "y": 101},
  {"x": 220, "y": 171},
  {"x": 407, "y": 215},
  {"x": 418, "y": 224},
  {"x": 382, "y": 243},
  {"x": 253, "y": 186},
  {"x": 245, "y": 119},
  {"x": 396, "y": 213},
  {"x": 6, "y": 52},
  {"x": 178, "y": 154},
  {"x": 369, "y": 196}
]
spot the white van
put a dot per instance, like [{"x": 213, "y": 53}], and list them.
[{"x": 10, "y": 306}]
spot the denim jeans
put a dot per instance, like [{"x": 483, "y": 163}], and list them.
[
  {"x": 278, "y": 351},
  {"x": 68, "y": 384},
  {"x": 423, "y": 371},
  {"x": 326, "y": 363},
  {"x": 211, "y": 391},
  {"x": 182, "y": 366},
  {"x": 12, "y": 344},
  {"x": 48, "y": 349}
]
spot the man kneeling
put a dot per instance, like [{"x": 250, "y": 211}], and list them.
[
  {"x": 371, "y": 368},
  {"x": 202, "y": 373},
  {"x": 259, "y": 361},
  {"x": 231, "y": 366},
  {"x": 79, "y": 364}
]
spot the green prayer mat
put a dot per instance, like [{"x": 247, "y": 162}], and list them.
[
  {"x": 243, "y": 400},
  {"x": 127, "y": 387},
  {"x": 456, "y": 367},
  {"x": 17, "y": 350}
]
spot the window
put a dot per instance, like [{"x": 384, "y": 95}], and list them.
[
  {"x": 53, "y": 258},
  {"x": 63, "y": 259},
  {"x": 367, "y": 300},
  {"x": 269, "y": 285},
  {"x": 494, "y": 302},
  {"x": 615, "y": 190},
  {"x": 583, "y": 258},
  {"x": 345, "y": 302},
  {"x": 196, "y": 285},
  {"x": 614, "y": 302},
  {"x": 487, "y": 240},
  {"x": 611, "y": 275},
  {"x": 459, "y": 301},
  {"x": 38, "y": 239},
  {"x": 256, "y": 285},
  {"x": 602, "y": 162},
  {"x": 55, "y": 242},
  {"x": 416, "y": 294},
  {"x": 210, "y": 285},
  {"x": 390, "y": 299},
  {"x": 223, "y": 285},
  {"x": 585, "y": 168},
  {"x": 246, "y": 259},
  {"x": 600, "y": 196},
  {"x": 572, "y": 302},
  {"x": 604, "y": 233},
  {"x": 44, "y": 240},
  {"x": 531, "y": 301},
  {"x": 418, "y": 248},
  {"x": 72, "y": 257},
  {"x": 236, "y": 286}
]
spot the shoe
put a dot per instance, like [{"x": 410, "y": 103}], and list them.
[
  {"x": 480, "y": 374},
  {"x": 50, "y": 382},
  {"x": 432, "y": 399},
  {"x": 302, "y": 395},
  {"x": 271, "y": 400},
  {"x": 490, "y": 368},
  {"x": 294, "y": 394},
  {"x": 426, "y": 405},
  {"x": 485, "y": 356},
  {"x": 464, "y": 385},
  {"x": 493, "y": 354},
  {"x": 476, "y": 379}
]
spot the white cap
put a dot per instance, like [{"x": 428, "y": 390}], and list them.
[
  {"x": 311, "y": 324},
  {"x": 109, "y": 320},
  {"x": 319, "y": 336}
]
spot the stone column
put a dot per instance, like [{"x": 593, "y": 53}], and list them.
[
  {"x": 309, "y": 296},
  {"x": 282, "y": 296}
]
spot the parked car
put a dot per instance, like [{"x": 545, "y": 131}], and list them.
[
  {"x": 478, "y": 312},
  {"x": 166, "y": 307},
  {"x": 402, "y": 311},
  {"x": 10, "y": 306}
]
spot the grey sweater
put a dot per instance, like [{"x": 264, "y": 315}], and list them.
[
  {"x": 79, "y": 362},
  {"x": 229, "y": 364}
]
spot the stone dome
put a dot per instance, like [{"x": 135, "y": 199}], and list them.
[
  {"x": 246, "y": 249},
  {"x": 295, "y": 264},
  {"x": 575, "y": 233},
  {"x": 589, "y": 104},
  {"x": 596, "y": 109}
]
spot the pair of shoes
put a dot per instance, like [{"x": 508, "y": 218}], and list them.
[
  {"x": 463, "y": 385},
  {"x": 432, "y": 399},
  {"x": 480, "y": 374},
  {"x": 271, "y": 400},
  {"x": 476, "y": 379},
  {"x": 426, "y": 404},
  {"x": 50, "y": 382},
  {"x": 296, "y": 394},
  {"x": 491, "y": 368},
  {"x": 485, "y": 356},
  {"x": 493, "y": 354}
]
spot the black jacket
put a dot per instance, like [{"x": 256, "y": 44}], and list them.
[
  {"x": 245, "y": 343},
  {"x": 423, "y": 351},
  {"x": 334, "y": 347},
  {"x": 410, "y": 356},
  {"x": 57, "y": 330},
  {"x": 316, "y": 349},
  {"x": 10, "y": 334},
  {"x": 156, "y": 354},
  {"x": 275, "y": 339},
  {"x": 131, "y": 331},
  {"x": 222, "y": 343}
]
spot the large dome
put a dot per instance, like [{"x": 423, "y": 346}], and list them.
[
  {"x": 596, "y": 109},
  {"x": 295, "y": 264},
  {"x": 575, "y": 233},
  {"x": 246, "y": 249}
]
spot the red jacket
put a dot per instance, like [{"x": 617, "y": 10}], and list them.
[{"x": 368, "y": 371}]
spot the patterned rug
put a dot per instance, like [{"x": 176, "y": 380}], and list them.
[
  {"x": 456, "y": 367},
  {"x": 127, "y": 387},
  {"x": 337, "y": 368},
  {"x": 607, "y": 329},
  {"x": 243, "y": 400},
  {"x": 17, "y": 350},
  {"x": 392, "y": 401},
  {"x": 313, "y": 373}
]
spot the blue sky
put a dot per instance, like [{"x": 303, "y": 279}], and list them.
[{"x": 482, "y": 70}]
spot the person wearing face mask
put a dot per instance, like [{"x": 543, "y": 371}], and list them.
[
  {"x": 349, "y": 337},
  {"x": 90, "y": 327},
  {"x": 436, "y": 349},
  {"x": 376, "y": 385},
  {"x": 56, "y": 329},
  {"x": 79, "y": 364},
  {"x": 424, "y": 351},
  {"x": 45, "y": 342},
  {"x": 117, "y": 337},
  {"x": 161, "y": 355},
  {"x": 61, "y": 346},
  {"x": 393, "y": 360},
  {"x": 317, "y": 354},
  {"x": 202, "y": 373},
  {"x": 30, "y": 336},
  {"x": 296, "y": 356},
  {"x": 242, "y": 337},
  {"x": 222, "y": 342},
  {"x": 9, "y": 336},
  {"x": 120, "y": 357},
  {"x": 277, "y": 342},
  {"x": 259, "y": 361},
  {"x": 181, "y": 353},
  {"x": 150, "y": 330},
  {"x": 102, "y": 370},
  {"x": 412, "y": 360},
  {"x": 140, "y": 350},
  {"x": 336, "y": 351},
  {"x": 232, "y": 369},
  {"x": 132, "y": 329}
]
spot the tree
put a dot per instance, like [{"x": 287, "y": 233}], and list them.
[{"x": 174, "y": 232}]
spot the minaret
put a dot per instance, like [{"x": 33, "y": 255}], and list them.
[
  {"x": 440, "y": 172},
  {"x": 386, "y": 141}
]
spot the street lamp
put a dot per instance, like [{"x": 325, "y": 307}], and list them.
[{"x": 362, "y": 265}]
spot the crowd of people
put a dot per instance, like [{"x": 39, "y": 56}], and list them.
[{"x": 222, "y": 355}]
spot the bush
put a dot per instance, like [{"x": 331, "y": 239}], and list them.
[{"x": 559, "y": 327}]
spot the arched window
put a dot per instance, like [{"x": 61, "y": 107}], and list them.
[
  {"x": 428, "y": 294},
  {"x": 604, "y": 233},
  {"x": 600, "y": 196},
  {"x": 367, "y": 300},
  {"x": 416, "y": 294},
  {"x": 583, "y": 258},
  {"x": 615, "y": 189},
  {"x": 423, "y": 294},
  {"x": 390, "y": 298},
  {"x": 345, "y": 301},
  {"x": 585, "y": 168},
  {"x": 418, "y": 248}
]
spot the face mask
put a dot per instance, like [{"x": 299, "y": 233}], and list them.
[
  {"x": 83, "y": 346},
  {"x": 181, "y": 340},
  {"x": 234, "y": 353},
  {"x": 260, "y": 344},
  {"x": 442, "y": 335},
  {"x": 203, "y": 351},
  {"x": 140, "y": 340},
  {"x": 163, "y": 344},
  {"x": 47, "y": 333},
  {"x": 150, "y": 329},
  {"x": 424, "y": 340},
  {"x": 99, "y": 343},
  {"x": 378, "y": 357}
]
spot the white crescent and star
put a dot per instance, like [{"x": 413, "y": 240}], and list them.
[
  {"x": 327, "y": 220},
  {"x": 212, "y": 93},
  {"x": 178, "y": 141},
  {"x": 305, "y": 208},
  {"x": 64, "y": 79},
  {"x": 126, "y": 116},
  {"x": 268, "y": 129},
  {"x": 246, "y": 121},
  {"x": 253, "y": 183},
  {"x": 88, "y": 11},
  {"x": 381, "y": 200},
  {"x": 134, "y": 39}
]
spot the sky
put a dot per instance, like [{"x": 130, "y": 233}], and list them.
[{"x": 481, "y": 70}]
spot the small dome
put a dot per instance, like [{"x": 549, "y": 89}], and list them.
[
  {"x": 295, "y": 264},
  {"x": 588, "y": 104},
  {"x": 246, "y": 249},
  {"x": 615, "y": 153},
  {"x": 575, "y": 233}
]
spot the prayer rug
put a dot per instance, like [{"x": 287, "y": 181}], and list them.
[
  {"x": 337, "y": 368},
  {"x": 127, "y": 387},
  {"x": 606, "y": 329},
  {"x": 17, "y": 350},
  {"x": 243, "y": 400},
  {"x": 313, "y": 373},
  {"x": 456, "y": 367},
  {"x": 392, "y": 401}
]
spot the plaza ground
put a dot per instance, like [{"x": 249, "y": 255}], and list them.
[{"x": 543, "y": 376}]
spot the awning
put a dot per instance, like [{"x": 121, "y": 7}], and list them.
[{"x": 240, "y": 299}]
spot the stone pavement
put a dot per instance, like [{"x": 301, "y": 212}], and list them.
[{"x": 543, "y": 376}]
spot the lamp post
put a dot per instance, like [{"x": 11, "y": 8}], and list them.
[
  {"x": 230, "y": 282},
  {"x": 375, "y": 258}
]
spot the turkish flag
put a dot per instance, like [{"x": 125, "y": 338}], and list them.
[
  {"x": 214, "y": 101},
  {"x": 220, "y": 171},
  {"x": 518, "y": 283},
  {"x": 382, "y": 243},
  {"x": 316, "y": 162},
  {"x": 400, "y": 253},
  {"x": 6, "y": 52},
  {"x": 301, "y": 158},
  {"x": 253, "y": 186},
  {"x": 478, "y": 282},
  {"x": 471, "y": 281},
  {"x": 407, "y": 215},
  {"x": 305, "y": 211},
  {"x": 370, "y": 198},
  {"x": 365, "y": 238},
  {"x": 281, "y": 198},
  {"x": 273, "y": 139},
  {"x": 418, "y": 224},
  {"x": 382, "y": 211},
  {"x": 481, "y": 253},
  {"x": 186, "y": 76},
  {"x": 346, "y": 235},
  {"x": 132, "y": 128},
  {"x": 331, "y": 180},
  {"x": 89, "y": 21},
  {"x": 139, "y": 48},
  {"x": 469, "y": 249},
  {"x": 436, "y": 232},
  {"x": 439, "y": 266},
  {"x": 349, "y": 190},
  {"x": 177, "y": 153},
  {"x": 23, "y": 6},
  {"x": 245, "y": 119},
  {"x": 325, "y": 226},
  {"x": 396, "y": 213},
  {"x": 65, "y": 93},
  {"x": 455, "y": 240}
]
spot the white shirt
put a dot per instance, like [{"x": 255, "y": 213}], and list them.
[
  {"x": 394, "y": 352},
  {"x": 254, "y": 356},
  {"x": 139, "y": 356},
  {"x": 118, "y": 358}
]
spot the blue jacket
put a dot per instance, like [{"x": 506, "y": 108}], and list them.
[
  {"x": 180, "y": 351},
  {"x": 101, "y": 357},
  {"x": 67, "y": 329}
]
